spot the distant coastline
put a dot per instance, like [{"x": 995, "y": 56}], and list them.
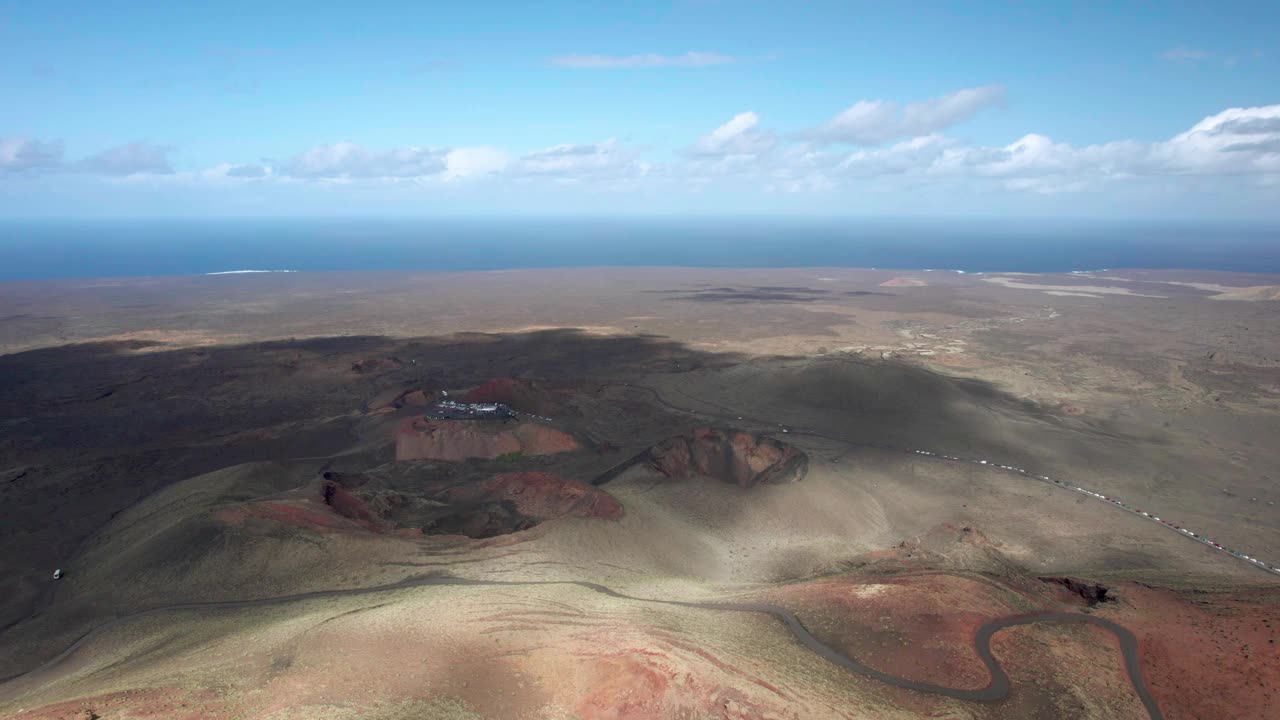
[
  {"x": 242, "y": 272},
  {"x": 64, "y": 249}
]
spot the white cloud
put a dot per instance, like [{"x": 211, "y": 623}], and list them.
[
  {"x": 351, "y": 162},
  {"x": 813, "y": 183},
  {"x": 739, "y": 136},
  {"x": 573, "y": 163},
  {"x": 898, "y": 158},
  {"x": 229, "y": 171},
  {"x": 474, "y": 162},
  {"x": 23, "y": 154},
  {"x": 348, "y": 160},
  {"x": 1234, "y": 142},
  {"x": 645, "y": 60},
  {"x": 1235, "y": 150},
  {"x": 136, "y": 158},
  {"x": 1045, "y": 186},
  {"x": 1239, "y": 142},
  {"x": 252, "y": 170},
  {"x": 874, "y": 122}
]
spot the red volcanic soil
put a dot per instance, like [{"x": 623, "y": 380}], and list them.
[
  {"x": 420, "y": 438},
  {"x": 523, "y": 395},
  {"x": 732, "y": 456},
  {"x": 544, "y": 496},
  {"x": 337, "y": 510},
  {"x": 915, "y": 626},
  {"x": 1211, "y": 655},
  {"x": 904, "y": 282},
  {"x": 512, "y": 502},
  {"x": 1204, "y": 655},
  {"x": 641, "y": 683},
  {"x": 921, "y": 625},
  {"x": 497, "y": 505},
  {"x": 299, "y": 513},
  {"x": 352, "y": 507}
]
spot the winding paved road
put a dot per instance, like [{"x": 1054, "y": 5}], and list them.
[{"x": 996, "y": 689}]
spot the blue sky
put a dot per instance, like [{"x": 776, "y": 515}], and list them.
[{"x": 1066, "y": 109}]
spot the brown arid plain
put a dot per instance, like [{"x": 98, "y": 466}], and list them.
[{"x": 730, "y": 494}]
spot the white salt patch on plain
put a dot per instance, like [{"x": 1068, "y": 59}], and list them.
[
  {"x": 1070, "y": 294},
  {"x": 1101, "y": 289},
  {"x": 1251, "y": 293}
]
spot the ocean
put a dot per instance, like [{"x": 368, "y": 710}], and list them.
[{"x": 47, "y": 249}]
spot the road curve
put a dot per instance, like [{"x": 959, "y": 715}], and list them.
[{"x": 996, "y": 689}]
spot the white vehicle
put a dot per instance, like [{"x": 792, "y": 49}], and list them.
[{"x": 57, "y": 574}]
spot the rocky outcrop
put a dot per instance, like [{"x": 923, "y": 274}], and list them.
[
  {"x": 1092, "y": 593},
  {"x": 396, "y": 398},
  {"x": 422, "y": 438},
  {"x": 733, "y": 456},
  {"x": 417, "y": 397},
  {"x": 480, "y": 521},
  {"x": 352, "y": 507}
]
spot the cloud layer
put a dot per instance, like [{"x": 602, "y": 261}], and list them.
[
  {"x": 894, "y": 146},
  {"x": 24, "y": 154},
  {"x": 135, "y": 158},
  {"x": 872, "y": 122},
  {"x": 739, "y": 136},
  {"x": 347, "y": 160}
]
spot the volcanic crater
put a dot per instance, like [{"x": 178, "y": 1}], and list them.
[
  {"x": 440, "y": 501},
  {"x": 733, "y": 456},
  {"x": 423, "y": 438}
]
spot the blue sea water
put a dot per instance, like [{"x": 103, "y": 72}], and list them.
[{"x": 43, "y": 249}]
